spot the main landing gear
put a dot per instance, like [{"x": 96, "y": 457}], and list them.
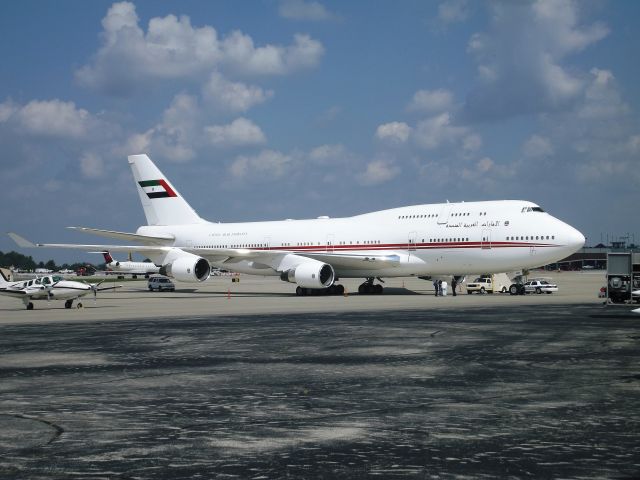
[
  {"x": 332, "y": 290},
  {"x": 68, "y": 304},
  {"x": 30, "y": 306},
  {"x": 368, "y": 288}
]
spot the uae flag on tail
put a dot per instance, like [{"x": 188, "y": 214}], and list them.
[{"x": 157, "y": 189}]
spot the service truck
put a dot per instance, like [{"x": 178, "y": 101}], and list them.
[{"x": 497, "y": 282}]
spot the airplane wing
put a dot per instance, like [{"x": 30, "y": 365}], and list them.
[
  {"x": 279, "y": 260},
  {"x": 13, "y": 293},
  {"x": 129, "y": 237},
  {"x": 275, "y": 258}
]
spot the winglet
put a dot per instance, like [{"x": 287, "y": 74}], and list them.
[{"x": 21, "y": 241}]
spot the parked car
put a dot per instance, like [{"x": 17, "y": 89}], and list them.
[
  {"x": 161, "y": 283},
  {"x": 539, "y": 286}
]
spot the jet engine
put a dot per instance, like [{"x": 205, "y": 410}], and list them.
[
  {"x": 187, "y": 268},
  {"x": 310, "y": 274}
]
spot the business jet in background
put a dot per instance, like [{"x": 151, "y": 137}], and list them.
[
  {"x": 418, "y": 240},
  {"x": 128, "y": 267}
]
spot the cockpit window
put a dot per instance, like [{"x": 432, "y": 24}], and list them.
[{"x": 531, "y": 209}]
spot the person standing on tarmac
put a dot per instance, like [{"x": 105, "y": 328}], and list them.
[
  {"x": 435, "y": 286},
  {"x": 454, "y": 284}
]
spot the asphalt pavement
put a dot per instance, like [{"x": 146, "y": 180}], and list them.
[{"x": 540, "y": 390}]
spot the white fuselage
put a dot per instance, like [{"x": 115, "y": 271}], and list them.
[
  {"x": 141, "y": 268},
  {"x": 46, "y": 288},
  {"x": 432, "y": 239}
]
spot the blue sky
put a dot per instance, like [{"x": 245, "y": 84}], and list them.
[{"x": 292, "y": 109}]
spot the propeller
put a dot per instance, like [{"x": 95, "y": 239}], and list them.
[{"x": 95, "y": 288}]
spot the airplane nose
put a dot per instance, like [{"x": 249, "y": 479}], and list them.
[{"x": 575, "y": 239}]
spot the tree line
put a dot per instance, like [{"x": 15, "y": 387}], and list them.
[{"x": 23, "y": 262}]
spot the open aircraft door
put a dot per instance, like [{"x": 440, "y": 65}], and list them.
[
  {"x": 485, "y": 244},
  {"x": 330, "y": 242},
  {"x": 411, "y": 244}
]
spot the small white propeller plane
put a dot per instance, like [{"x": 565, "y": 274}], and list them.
[{"x": 50, "y": 287}]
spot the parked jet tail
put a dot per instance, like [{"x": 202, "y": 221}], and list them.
[
  {"x": 162, "y": 203},
  {"x": 107, "y": 257}
]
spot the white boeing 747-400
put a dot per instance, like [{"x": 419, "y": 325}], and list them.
[{"x": 418, "y": 240}]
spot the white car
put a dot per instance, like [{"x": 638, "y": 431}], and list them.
[
  {"x": 161, "y": 283},
  {"x": 540, "y": 286}
]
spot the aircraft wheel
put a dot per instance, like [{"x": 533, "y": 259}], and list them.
[
  {"x": 68, "y": 303},
  {"x": 339, "y": 289},
  {"x": 482, "y": 290},
  {"x": 30, "y": 306},
  {"x": 301, "y": 292},
  {"x": 377, "y": 289},
  {"x": 79, "y": 305}
]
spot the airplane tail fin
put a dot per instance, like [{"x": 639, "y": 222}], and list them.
[
  {"x": 107, "y": 257},
  {"x": 162, "y": 203},
  {"x": 5, "y": 277}
]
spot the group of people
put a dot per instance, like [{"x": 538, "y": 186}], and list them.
[{"x": 441, "y": 287}]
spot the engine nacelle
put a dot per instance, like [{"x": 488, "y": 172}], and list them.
[
  {"x": 187, "y": 268},
  {"x": 311, "y": 274}
]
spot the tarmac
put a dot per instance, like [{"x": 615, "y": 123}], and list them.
[{"x": 246, "y": 380}]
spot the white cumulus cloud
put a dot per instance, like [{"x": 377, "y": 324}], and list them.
[
  {"x": 53, "y": 118},
  {"x": 521, "y": 59},
  {"x": 240, "y": 132},
  {"x": 91, "y": 165},
  {"x": 431, "y": 101},
  {"x": 304, "y": 10},
  {"x": 233, "y": 96},
  {"x": 537, "y": 146},
  {"x": 394, "y": 132},
  {"x": 453, "y": 11},
  {"x": 268, "y": 164},
  {"x": 172, "y": 48},
  {"x": 243, "y": 57},
  {"x": 377, "y": 172}
]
